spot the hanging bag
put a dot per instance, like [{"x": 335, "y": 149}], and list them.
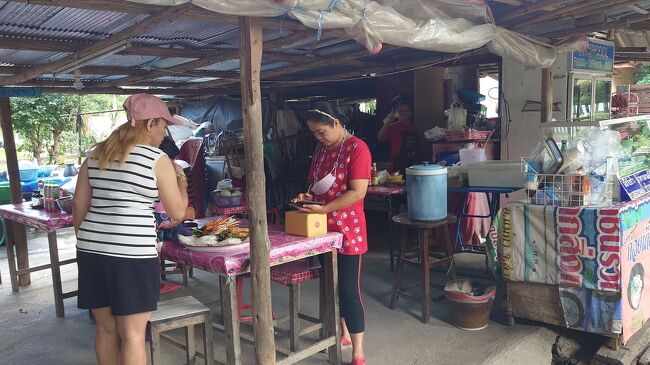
[{"x": 457, "y": 116}]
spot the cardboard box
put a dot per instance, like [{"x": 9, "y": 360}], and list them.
[{"x": 307, "y": 225}]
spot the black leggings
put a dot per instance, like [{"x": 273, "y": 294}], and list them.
[
  {"x": 349, "y": 292},
  {"x": 350, "y": 304}
]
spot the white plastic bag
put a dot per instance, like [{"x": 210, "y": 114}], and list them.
[
  {"x": 434, "y": 133},
  {"x": 456, "y": 118}
]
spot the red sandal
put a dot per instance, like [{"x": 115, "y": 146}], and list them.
[
  {"x": 345, "y": 342},
  {"x": 358, "y": 362}
]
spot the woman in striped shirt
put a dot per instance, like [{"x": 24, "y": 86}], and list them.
[{"x": 117, "y": 186}]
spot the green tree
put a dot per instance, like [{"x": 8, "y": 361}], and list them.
[
  {"x": 642, "y": 75},
  {"x": 41, "y": 121},
  {"x": 49, "y": 123}
]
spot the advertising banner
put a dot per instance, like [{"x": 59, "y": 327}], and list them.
[{"x": 635, "y": 264}]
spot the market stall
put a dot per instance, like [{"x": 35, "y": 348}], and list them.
[
  {"x": 573, "y": 253},
  {"x": 591, "y": 261}
]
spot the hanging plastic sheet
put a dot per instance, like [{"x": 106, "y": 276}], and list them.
[{"x": 441, "y": 25}]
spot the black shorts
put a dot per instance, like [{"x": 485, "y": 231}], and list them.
[{"x": 127, "y": 286}]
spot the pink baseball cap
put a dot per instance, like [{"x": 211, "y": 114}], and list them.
[{"x": 145, "y": 107}]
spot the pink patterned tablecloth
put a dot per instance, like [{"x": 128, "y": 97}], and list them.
[
  {"x": 386, "y": 190},
  {"x": 233, "y": 260},
  {"x": 37, "y": 218}
]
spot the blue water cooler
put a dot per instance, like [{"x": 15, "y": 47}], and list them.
[{"x": 426, "y": 189}]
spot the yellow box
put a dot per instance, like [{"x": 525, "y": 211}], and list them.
[{"x": 307, "y": 225}]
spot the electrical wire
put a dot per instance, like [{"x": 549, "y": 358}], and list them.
[{"x": 373, "y": 75}]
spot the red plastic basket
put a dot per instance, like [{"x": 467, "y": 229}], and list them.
[{"x": 468, "y": 135}]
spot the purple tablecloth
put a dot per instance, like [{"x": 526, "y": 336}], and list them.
[
  {"x": 37, "y": 218},
  {"x": 232, "y": 260}
]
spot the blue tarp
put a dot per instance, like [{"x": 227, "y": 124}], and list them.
[{"x": 220, "y": 111}]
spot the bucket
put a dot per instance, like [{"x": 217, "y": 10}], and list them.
[
  {"x": 471, "y": 305},
  {"x": 426, "y": 192}
]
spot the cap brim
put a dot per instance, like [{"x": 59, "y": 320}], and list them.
[{"x": 172, "y": 120}]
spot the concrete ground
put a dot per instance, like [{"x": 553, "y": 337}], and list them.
[{"x": 30, "y": 333}]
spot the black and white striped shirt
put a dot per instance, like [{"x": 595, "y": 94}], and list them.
[{"x": 120, "y": 220}]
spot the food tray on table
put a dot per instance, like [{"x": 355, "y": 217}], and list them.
[
  {"x": 210, "y": 243},
  {"x": 224, "y": 232}
]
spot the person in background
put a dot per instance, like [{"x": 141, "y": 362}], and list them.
[
  {"x": 204, "y": 129},
  {"x": 399, "y": 131},
  {"x": 168, "y": 146},
  {"x": 119, "y": 271},
  {"x": 339, "y": 175}
]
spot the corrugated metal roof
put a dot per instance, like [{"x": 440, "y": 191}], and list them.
[
  {"x": 223, "y": 66},
  {"x": 14, "y": 57},
  {"x": 192, "y": 32},
  {"x": 65, "y": 23}
]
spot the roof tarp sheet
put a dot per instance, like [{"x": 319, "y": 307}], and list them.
[{"x": 435, "y": 25}]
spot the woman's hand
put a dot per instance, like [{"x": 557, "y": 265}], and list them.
[
  {"x": 302, "y": 196},
  {"x": 190, "y": 214},
  {"x": 313, "y": 209}
]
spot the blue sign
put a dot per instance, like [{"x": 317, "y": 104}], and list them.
[
  {"x": 598, "y": 57},
  {"x": 636, "y": 185},
  {"x": 20, "y": 91},
  {"x": 643, "y": 177}
]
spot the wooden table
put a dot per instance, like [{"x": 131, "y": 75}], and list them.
[
  {"x": 389, "y": 193},
  {"x": 50, "y": 222},
  {"x": 231, "y": 261}
]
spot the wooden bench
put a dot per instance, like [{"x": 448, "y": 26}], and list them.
[{"x": 184, "y": 312}]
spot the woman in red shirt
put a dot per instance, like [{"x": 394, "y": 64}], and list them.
[
  {"x": 398, "y": 125},
  {"x": 339, "y": 175}
]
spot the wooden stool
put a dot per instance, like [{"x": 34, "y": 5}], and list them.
[
  {"x": 422, "y": 257},
  {"x": 182, "y": 269},
  {"x": 184, "y": 312},
  {"x": 293, "y": 274}
]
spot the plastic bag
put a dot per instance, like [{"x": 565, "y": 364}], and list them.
[
  {"x": 599, "y": 145},
  {"x": 225, "y": 184},
  {"x": 456, "y": 117},
  {"x": 434, "y": 133}
]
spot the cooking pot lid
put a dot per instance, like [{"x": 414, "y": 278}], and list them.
[{"x": 426, "y": 169}]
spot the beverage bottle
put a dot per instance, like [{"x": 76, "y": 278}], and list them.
[
  {"x": 374, "y": 174},
  {"x": 46, "y": 196}
]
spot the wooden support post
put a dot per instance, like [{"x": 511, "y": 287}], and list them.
[
  {"x": 250, "y": 58},
  {"x": 547, "y": 95},
  {"x": 18, "y": 230}
]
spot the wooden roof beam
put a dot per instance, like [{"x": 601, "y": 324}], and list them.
[
  {"x": 188, "y": 66},
  {"x": 53, "y": 45},
  {"x": 528, "y": 9},
  {"x": 68, "y": 83},
  {"x": 120, "y": 91},
  {"x": 577, "y": 10},
  {"x": 599, "y": 27},
  {"x": 86, "y": 70},
  {"x": 321, "y": 62},
  {"x": 114, "y": 39}
]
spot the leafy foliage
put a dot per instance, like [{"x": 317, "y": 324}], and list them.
[
  {"x": 49, "y": 123},
  {"x": 642, "y": 75}
]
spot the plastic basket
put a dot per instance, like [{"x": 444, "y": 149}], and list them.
[
  {"x": 469, "y": 134},
  {"x": 28, "y": 174},
  {"x": 569, "y": 190}
]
